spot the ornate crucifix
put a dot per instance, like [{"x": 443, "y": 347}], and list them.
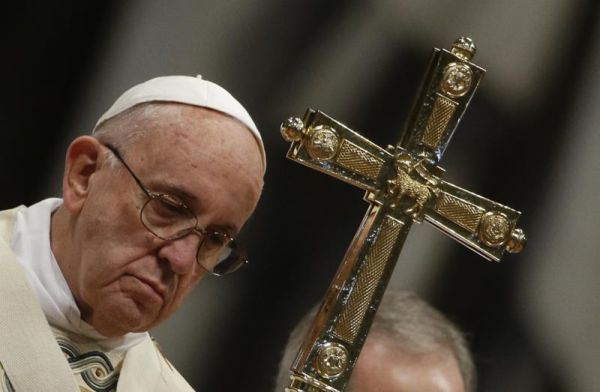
[{"x": 403, "y": 185}]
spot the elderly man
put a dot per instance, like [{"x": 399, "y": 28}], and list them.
[
  {"x": 411, "y": 347},
  {"x": 151, "y": 203}
]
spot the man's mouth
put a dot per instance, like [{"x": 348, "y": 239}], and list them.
[{"x": 157, "y": 287}]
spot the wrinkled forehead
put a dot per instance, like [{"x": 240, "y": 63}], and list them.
[
  {"x": 194, "y": 136},
  {"x": 168, "y": 124}
]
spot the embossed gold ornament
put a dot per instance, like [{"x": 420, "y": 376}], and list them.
[
  {"x": 332, "y": 360},
  {"x": 457, "y": 80},
  {"x": 404, "y": 185},
  {"x": 323, "y": 143},
  {"x": 494, "y": 229}
]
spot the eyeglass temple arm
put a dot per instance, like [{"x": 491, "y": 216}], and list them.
[{"x": 120, "y": 158}]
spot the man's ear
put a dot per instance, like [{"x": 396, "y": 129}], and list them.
[{"x": 82, "y": 161}]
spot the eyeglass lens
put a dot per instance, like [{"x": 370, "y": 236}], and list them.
[{"x": 169, "y": 220}]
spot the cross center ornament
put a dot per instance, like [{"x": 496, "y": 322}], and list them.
[{"x": 403, "y": 184}]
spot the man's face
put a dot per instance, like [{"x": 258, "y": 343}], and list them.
[
  {"x": 383, "y": 366},
  {"x": 125, "y": 278}
]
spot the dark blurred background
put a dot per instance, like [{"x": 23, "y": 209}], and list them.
[{"x": 529, "y": 140}]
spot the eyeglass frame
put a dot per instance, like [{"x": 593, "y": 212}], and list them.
[{"x": 196, "y": 229}]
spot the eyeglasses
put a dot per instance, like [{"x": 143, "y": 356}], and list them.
[{"x": 169, "y": 219}]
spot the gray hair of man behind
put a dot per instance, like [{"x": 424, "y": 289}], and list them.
[{"x": 407, "y": 319}]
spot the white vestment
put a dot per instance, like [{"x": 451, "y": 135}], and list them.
[{"x": 44, "y": 344}]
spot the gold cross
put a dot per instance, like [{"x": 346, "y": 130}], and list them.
[{"x": 403, "y": 185}]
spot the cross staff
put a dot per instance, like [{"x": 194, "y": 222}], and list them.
[{"x": 403, "y": 185}]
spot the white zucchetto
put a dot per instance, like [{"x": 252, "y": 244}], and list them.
[{"x": 188, "y": 90}]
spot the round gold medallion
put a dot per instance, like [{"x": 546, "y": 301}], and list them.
[
  {"x": 494, "y": 229},
  {"x": 332, "y": 360},
  {"x": 457, "y": 80},
  {"x": 323, "y": 143}
]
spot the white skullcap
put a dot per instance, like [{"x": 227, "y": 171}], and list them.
[{"x": 189, "y": 90}]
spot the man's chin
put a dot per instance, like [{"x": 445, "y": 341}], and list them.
[{"x": 120, "y": 319}]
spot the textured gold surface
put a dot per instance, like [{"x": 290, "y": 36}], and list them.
[
  {"x": 442, "y": 112},
  {"x": 461, "y": 212},
  {"x": 348, "y": 324},
  {"x": 359, "y": 160}
]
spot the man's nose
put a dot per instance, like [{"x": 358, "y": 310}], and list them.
[{"x": 181, "y": 253}]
